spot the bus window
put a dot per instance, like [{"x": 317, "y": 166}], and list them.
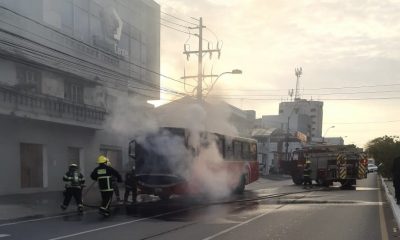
[
  {"x": 253, "y": 151},
  {"x": 220, "y": 141},
  {"x": 237, "y": 150},
  {"x": 245, "y": 151}
]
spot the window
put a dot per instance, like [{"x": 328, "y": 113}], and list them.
[
  {"x": 313, "y": 110},
  {"x": 253, "y": 151},
  {"x": 66, "y": 12},
  {"x": 312, "y": 116},
  {"x": 73, "y": 92},
  {"x": 81, "y": 24},
  {"x": 31, "y": 165},
  {"x": 280, "y": 111},
  {"x": 237, "y": 150},
  {"x": 221, "y": 145},
  {"x": 245, "y": 151},
  {"x": 29, "y": 79}
]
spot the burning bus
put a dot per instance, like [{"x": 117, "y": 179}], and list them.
[{"x": 181, "y": 161}]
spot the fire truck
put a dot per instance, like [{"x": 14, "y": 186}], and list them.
[{"x": 330, "y": 163}]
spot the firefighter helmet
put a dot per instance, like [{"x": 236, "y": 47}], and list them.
[
  {"x": 73, "y": 165},
  {"x": 102, "y": 159}
]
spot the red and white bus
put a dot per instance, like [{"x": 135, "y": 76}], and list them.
[{"x": 178, "y": 161}]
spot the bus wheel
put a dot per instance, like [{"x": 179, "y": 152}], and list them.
[
  {"x": 297, "y": 179},
  {"x": 241, "y": 185}
]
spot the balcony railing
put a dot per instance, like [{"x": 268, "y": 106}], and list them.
[{"x": 36, "y": 106}]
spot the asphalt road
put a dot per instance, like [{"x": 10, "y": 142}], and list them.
[{"x": 318, "y": 214}]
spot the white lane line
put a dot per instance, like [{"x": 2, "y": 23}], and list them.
[
  {"x": 238, "y": 225},
  {"x": 248, "y": 221},
  {"x": 4, "y": 235},
  {"x": 41, "y": 219},
  {"x": 119, "y": 224},
  {"x": 382, "y": 221}
]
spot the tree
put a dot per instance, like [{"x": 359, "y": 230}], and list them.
[{"x": 384, "y": 150}]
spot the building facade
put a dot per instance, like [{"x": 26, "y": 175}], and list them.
[
  {"x": 64, "y": 64},
  {"x": 304, "y": 115}
]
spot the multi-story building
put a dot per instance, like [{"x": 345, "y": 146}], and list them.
[
  {"x": 303, "y": 115},
  {"x": 64, "y": 64}
]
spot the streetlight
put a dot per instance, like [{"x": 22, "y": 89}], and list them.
[
  {"x": 234, "y": 71},
  {"x": 323, "y": 137}
]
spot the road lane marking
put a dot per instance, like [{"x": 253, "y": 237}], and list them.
[
  {"x": 382, "y": 221},
  {"x": 5, "y": 235},
  {"x": 250, "y": 220},
  {"x": 41, "y": 219},
  {"x": 119, "y": 224},
  {"x": 238, "y": 225}
]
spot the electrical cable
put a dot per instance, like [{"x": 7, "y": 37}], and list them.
[
  {"x": 76, "y": 40},
  {"x": 101, "y": 68},
  {"x": 183, "y": 20}
]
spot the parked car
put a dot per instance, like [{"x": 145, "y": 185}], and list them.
[{"x": 372, "y": 167}]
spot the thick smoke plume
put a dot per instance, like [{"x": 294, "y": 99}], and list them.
[{"x": 200, "y": 163}]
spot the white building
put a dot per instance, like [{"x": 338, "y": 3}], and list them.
[
  {"x": 64, "y": 64},
  {"x": 301, "y": 109}
]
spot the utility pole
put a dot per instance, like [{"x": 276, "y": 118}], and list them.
[{"x": 200, "y": 53}]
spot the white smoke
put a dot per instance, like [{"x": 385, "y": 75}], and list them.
[{"x": 200, "y": 163}]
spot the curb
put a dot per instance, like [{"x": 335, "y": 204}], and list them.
[{"x": 392, "y": 201}]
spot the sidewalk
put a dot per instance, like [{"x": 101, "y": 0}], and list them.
[
  {"x": 44, "y": 204},
  {"x": 389, "y": 189}
]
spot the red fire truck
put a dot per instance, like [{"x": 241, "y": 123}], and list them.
[{"x": 330, "y": 163}]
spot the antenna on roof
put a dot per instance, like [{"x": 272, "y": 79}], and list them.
[{"x": 298, "y": 72}]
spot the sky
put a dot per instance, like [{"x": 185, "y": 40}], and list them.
[{"x": 349, "y": 52}]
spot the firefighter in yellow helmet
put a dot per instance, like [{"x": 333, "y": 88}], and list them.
[
  {"x": 114, "y": 184},
  {"x": 103, "y": 175},
  {"x": 307, "y": 174}
]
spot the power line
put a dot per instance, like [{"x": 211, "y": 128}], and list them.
[
  {"x": 164, "y": 25},
  {"x": 177, "y": 24},
  {"x": 326, "y": 99},
  {"x": 312, "y": 89},
  {"x": 74, "y": 65},
  {"x": 88, "y": 45},
  {"x": 390, "y": 121},
  {"x": 183, "y": 20},
  {"x": 309, "y": 94}
]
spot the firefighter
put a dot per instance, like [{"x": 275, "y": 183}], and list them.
[
  {"x": 103, "y": 175},
  {"x": 396, "y": 178},
  {"x": 307, "y": 174},
  {"x": 114, "y": 183},
  {"x": 74, "y": 182},
  {"x": 130, "y": 186}
]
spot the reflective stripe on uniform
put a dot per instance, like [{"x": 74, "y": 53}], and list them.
[{"x": 108, "y": 179}]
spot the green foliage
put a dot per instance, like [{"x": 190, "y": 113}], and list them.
[{"x": 384, "y": 150}]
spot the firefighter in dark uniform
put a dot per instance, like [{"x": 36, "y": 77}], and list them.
[
  {"x": 114, "y": 184},
  {"x": 307, "y": 174},
  {"x": 396, "y": 178},
  {"x": 103, "y": 175},
  {"x": 74, "y": 182},
  {"x": 130, "y": 186}
]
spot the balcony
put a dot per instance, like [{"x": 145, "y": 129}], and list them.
[{"x": 41, "y": 107}]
